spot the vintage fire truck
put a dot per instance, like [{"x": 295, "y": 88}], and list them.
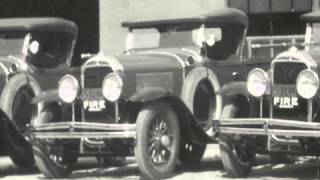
[
  {"x": 35, "y": 53},
  {"x": 274, "y": 112},
  {"x": 155, "y": 101}
]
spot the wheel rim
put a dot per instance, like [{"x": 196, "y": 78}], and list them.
[
  {"x": 23, "y": 110},
  {"x": 160, "y": 141}
]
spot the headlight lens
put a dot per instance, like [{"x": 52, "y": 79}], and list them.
[
  {"x": 257, "y": 82},
  {"x": 307, "y": 84},
  {"x": 68, "y": 88},
  {"x": 112, "y": 87}
]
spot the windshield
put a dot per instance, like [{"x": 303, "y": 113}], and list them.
[
  {"x": 11, "y": 43},
  {"x": 171, "y": 37},
  {"x": 49, "y": 49},
  {"x": 42, "y": 49}
]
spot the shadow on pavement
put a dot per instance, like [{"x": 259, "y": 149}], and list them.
[{"x": 10, "y": 169}]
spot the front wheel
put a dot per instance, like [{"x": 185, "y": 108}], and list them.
[
  {"x": 237, "y": 155},
  {"x": 158, "y": 140},
  {"x": 237, "y": 152},
  {"x": 54, "y": 161},
  {"x": 21, "y": 112}
]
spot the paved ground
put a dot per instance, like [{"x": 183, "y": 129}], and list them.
[{"x": 210, "y": 168}]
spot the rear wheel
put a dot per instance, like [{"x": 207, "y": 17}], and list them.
[{"x": 158, "y": 140}]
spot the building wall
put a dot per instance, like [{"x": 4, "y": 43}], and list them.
[{"x": 113, "y": 12}]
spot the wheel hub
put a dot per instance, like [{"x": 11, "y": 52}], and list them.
[{"x": 165, "y": 140}]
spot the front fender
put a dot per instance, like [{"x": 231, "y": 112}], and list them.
[
  {"x": 149, "y": 94},
  {"x": 47, "y": 96},
  {"x": 234, "y": 88}
]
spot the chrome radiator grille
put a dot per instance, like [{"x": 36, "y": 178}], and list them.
[
  {"x": 287, "y": 72},
  {"x": 92, "y": 93},
  {"x": 94, "y": 76},
  {"x": 284, "y": 86}
]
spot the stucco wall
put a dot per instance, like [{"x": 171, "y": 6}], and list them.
[{"x": 113, "y": 12}]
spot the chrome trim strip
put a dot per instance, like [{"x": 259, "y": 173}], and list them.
[
  {"x": 267, "y": 121},
  {"x": 278, "y": 132},
  {"x": 79, "y": 135},
  {"x": 84, "y": 125}
]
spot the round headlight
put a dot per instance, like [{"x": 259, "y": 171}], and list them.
[
  {"x": 307, "y": 84},
  {"x": 112, "y": 87},
  {"x": 257, "y": 82},
  {"x": 68, "y": 88}
]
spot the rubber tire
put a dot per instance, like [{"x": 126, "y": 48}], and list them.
[
  {"x": 19, "y": 150},
  {"x": 145, "y": 117},
  {"x": 46, "y": 166},
  {"x": 230, "y": 160},
  {"x": 193, "y": 157}
]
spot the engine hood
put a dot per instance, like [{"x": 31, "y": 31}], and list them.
[
  {"x": 307, "y": 57},
  {"x": 149, "y": 60},
  {"x": 160, "y": 59}
]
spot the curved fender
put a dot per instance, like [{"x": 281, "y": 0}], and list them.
[
  {"x": 234, "y": 88},
  {"x": 149, "y": 94},
  {"x": 47, "y": 96},
  {"x": 190, "y": 86},
  {"x": 12, "y": 87}
]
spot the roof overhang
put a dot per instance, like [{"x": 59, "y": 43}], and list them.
[
  {"x": 38, "y": 24},
  {"x": 311, "y": 17},
  {"x": 221, "y": 17}
]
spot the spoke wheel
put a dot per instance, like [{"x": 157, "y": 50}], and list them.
[{"x": 158, "y": 138}]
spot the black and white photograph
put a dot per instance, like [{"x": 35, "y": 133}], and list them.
[{"x": 150, "y": 90}]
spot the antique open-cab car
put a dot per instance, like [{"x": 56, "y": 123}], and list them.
[
  {"x": 275, "y": 112},
  {"x": 34, "y": 54},
  {"x": 155, "y": 101}
]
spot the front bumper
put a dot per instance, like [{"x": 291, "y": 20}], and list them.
[
  {"x": 78, "y": 130},
  {"x": 266, "y": 126}
]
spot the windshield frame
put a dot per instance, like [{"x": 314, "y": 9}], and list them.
[{"x": 130, "y": 37}]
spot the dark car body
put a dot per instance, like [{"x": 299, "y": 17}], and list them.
[
  {"x": 284, "y": 120},
  {"x": 35, "y": 53},
  {"x": 169, "y": 65}
]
